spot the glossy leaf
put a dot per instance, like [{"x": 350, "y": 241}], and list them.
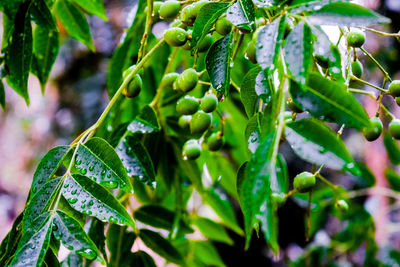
[
  {"x": 9, "y": 244},
  {"x": 206, "y": 253},
  {"x": 161, "y": 246},
  {"x": 313, "y": 141},
  {"x": 346, "y": 14},
  {"x": 269, "y": 224},
  {"x": 140, "y": 259},
  {"x": 119, "y": 244},
  {"x": 299, "y": 6},
  {"x": 33, "y": 246},
  {"x": 145, "y": 122},
  {"x": 89, "y": 198},
  {"x": 160, "y": 217},
  {"x": 212, "y": 230},
  {"x": 74, "y": 22},
  {"x": 218, "y": 64},
  {"x": 269, "y": 42},
  {"x": 45, "y": 50},
  {"x": 19, "y": 52},
  {"x": 282, "y": 176},
  {"x": 73, "y": 237},
  {"x": 393, "y": 179},
  {"x": 72, "y": 260},
  {"x": 207, "y": 16},
  {"x": 136, "y": 160},
  {"x": 97, "y": 160},
  {"x": 47, "y": 167},
  {"x": 42, "y": 16},
  {"x": 41, "y": 201},
  {"x": 329, "y": 101},
  {"x": 392, "y": 149},
  {"x": 253, "y": 132},
  {"x": 94, "y": 7},
  {"x": 242, "y": 15},
  {"x": 298, "y": 52}
]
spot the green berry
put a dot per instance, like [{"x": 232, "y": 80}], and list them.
[
  {"x": 357, "y": 68},
  {"x": 187, "y": 105},
  {"x": 394, "y": 128},
  {"x": 278, "y": 198},
  {"x": 208, "y": 103},
  {"x": 155, "y": 17},
  {"x": 197, "y": 6},
  {"x": 175, "y": 36},
  {"x": 134, "y": 87},
  {"x": 184, "y": 122},
  {"x": 372, "y": 132},
  {"x": 200, "y": 122},
  {"x": 322, "y": 61},
  {"x": 188, "y": 15},
  {"x": 394, "y": 88},
  {"x": 251, "y": 53},
  {"x": 342, "y": 205},
  {"x": 356, "y": 39},
  {"x": 205, "y": 44},
  {"x": 294, "y": 107},
  {"x": 168, "y": 80},
  {"x": 223, "y": 26},
  {"x": 170, "y": 9},
  {"x": 187, "y": 81},
  {"x": 304, "y": 182},
  {"x": 215, "y": 141},
  {"x": 191, "y": 149}
]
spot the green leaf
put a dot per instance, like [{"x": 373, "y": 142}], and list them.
[
  {"x": 160, "y": 217},
  {"x": 9, "y": 244},
  {"x": 42, "y": 16},
  {"x": 47, "y": 167},
  {"x": 315, "y": 142},
  {"x": 45, "y": 50},
  {"x": 89, "y": 198},
  {"x": 242, "y": 15},
  {"x": 73, "y": 237},
  {"x": 269, "y": 224},
  {"x": 218, "y": 64},
  {"x": 207, "y": 16},
  {"x": 139, "y": 259},
  {"x": 41, "y": 201},
  {"x": 367, "y": 178},
  {"x": 253, "y": 132},
  {"x": 136, "y": 160},
  {"x": 299, "y": 6},
  {"x": 72, "y": 260},
  {"x": 269, "y": 42},
  {"x": 94, "y": 7},
  {"x": 206, "y": 253},
  {"x": 392, "y": 148},
  {"x": 393, "y": 179},
  {"x": 346, "y": 14},
  {"x": 329, "y": 101},
  {"x": 282, "y": 176},
  {"x": 32, "y": 251},
  {"x": 96, "y": 234},
  {"x": 298, "y": 52},
  {"x": 98, "y": 160},
  {"x": 161, "y": 246},
  {"x": 19, "y": 52},
  {"x": 222, "y": 208},
  {"x": 145, "y": 122},
  {"x": 2, "y": 96},
  {"x": 212, "y": 230},
  {"x": 74, "y": 22},
  {"x": 119, "y": 243}
]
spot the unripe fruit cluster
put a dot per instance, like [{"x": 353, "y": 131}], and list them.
[{"x": 374, "y": 130}]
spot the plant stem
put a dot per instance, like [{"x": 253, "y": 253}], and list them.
[
  {"x": 385, "y": 73},
  {"x": 397, "y": 35},
  {"x": 319, "y": 176},
  {"x": 369, "y": 84},
  {"x": 358, "y": 91},
  {"x": 143, "y": 42}
]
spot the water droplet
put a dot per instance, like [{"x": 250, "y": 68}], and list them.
[
  {"x": 91, "y": 203},
  {"x": 72, "y": 200},
  {"x": 83, "y": 206},
  {"x": 111, "y": 219},
  {"x": 73, "y": 192},
  {"x": 110, "y": 184},
  {"x": 83, "y": 171},
  {"x": 66, "y": 185},
  {"x": 91, "y": 168},
  {"x": 78, "y": 161}
]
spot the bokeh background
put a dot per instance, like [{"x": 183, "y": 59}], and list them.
[{"x": 75, "y": 96}]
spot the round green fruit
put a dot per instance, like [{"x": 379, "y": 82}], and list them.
[
  {"x": 294, "y": 107},
  {"x": 357, "y": 68},
  {"x": 187, "y": 81},
  {"x": 168, "y": 80},
  {"x": 251, "y": 53},
  {"x": 200, "y": 122},
  {"x": 187, "y": 105},
  {"x": 155, "y": 17},
  {"x": 342, "y": 205},
  {"x": 134, "y": 87},
  {"x": 184, "y": 122},
  {"x": 175, "y": 36},
  {"x": 372, "y": 132},
  {"x": 394, "y": 88},
  {"x": 188, "y": 15},
  {"x": 278, "y": 198},
  {"x": 394, "y": 128},
  {"x": 223, "y": 26},
  {"x": 304, "y": 182},
  {"x": 356, "y": 39},
  {"x": 191, "y": 149},
  {"x": 208, "y": 103},
  {"x": 197, "y": 6},
  {"x": 170, "y": 9},
  {"x": 205, "y": 44},
  {"x": 215, "y": 141}
]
